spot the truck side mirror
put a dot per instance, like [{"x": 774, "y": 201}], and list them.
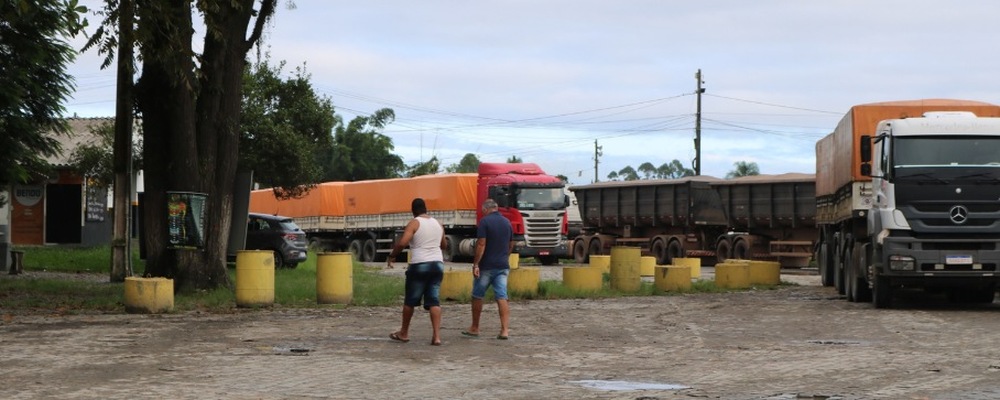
[
  {"x": 866, "y": 149},
  {"x": 866, "y": 169},
  {"x": 565, "y": 201}
]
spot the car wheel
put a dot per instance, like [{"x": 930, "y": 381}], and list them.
[{"x": 279, "y": 261}]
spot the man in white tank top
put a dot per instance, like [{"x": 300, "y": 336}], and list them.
[{"x": 425, "y": 236}]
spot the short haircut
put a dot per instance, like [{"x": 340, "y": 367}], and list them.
[
  {"x": 418, "y": 207},
  {"x": 490, "y": 204}
]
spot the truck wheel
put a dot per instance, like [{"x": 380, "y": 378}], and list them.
[
  {"x": 849, "y": 281},
  {"x": 450, "y": 247},
  {"x": 674, "y": 250},
  {"x": 723, "y": 251},
  {"x": 368, "y": 252},
  {"x": 859, "y": 283},
  {"x": 882, "y": 291},
  {"x": 825, "y": 266},
  {"x": 595, "y": 247},
  {"x": 355, "y": 249},
  {"x": 659, "y": 250},
  {"x": 741, "y": 250},
  {"x": 580, "y": 254}
]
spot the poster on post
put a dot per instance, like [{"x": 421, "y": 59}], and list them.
[{"x": 186, "y": 220}]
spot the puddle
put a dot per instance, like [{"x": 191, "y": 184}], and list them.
[{"x": 626, "y": 385}]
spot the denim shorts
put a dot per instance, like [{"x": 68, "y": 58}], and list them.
[
  {"x": 491, "y": 277},
  {"x": 423, "y": 282}
]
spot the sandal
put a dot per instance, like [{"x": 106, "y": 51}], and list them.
[{"x": 395, "y": 336}]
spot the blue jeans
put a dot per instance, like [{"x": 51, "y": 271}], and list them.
[
  {"x": 491, "y": 277},
  {"x": 423, "y": 282}
]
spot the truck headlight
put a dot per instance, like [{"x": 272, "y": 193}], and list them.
[{"x": 902, "y": 263}]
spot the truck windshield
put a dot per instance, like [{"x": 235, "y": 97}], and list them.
[
  {"x": 539, "y": 198},
  {"x": 951, "y": 151}
]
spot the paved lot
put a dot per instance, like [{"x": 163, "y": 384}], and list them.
[{"x": 797, "y": 342}]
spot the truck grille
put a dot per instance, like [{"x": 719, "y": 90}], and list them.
[{"x": 542, "y": 228}]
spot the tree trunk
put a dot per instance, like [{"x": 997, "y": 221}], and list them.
[{"x": 191, "y": 128}]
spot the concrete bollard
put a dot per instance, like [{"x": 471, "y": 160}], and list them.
[
  {"x": 765, "y": 272},
  {"x": 149, "y": 295},
  {"x": 732, "y": 275},
  {"x": 601, "y": 262},
  {"x": 646, "y": 265},
  {"x": 692, "y": 262},
  {"x": 334, "y": 278},
  {"x": 254, "y": 278},
  {"x": 456, "y": 285},
  {"x": 625, "y": 268},
  {"x": 524, "y": 280},
  {"x": 583, "y": 278},
  {"x": 670, "y": 278}
]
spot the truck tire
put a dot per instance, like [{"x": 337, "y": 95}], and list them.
[
  {"x": 659, "y": 250},
  {"x": 741, "y": 250},
  {"x": 723, "y": 251},
  {"x": 881, "y": 291},
  {"x": 580, "y": 254},
  {"x": 355, "y": 248},
  {"x": 674, "y": 250},
  {"x": 450, "y": 251},
  {"x": 595, "y": 247},
  {"x": 861, "y": 292},
  {"x": 368, "y": 252},
  {"x": 825, "y": 265}
]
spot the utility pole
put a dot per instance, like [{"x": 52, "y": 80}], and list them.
[
  {"x": 697, "y": 126},
  {"x": 121, "y": 249},
  {"x": 597, "y": 156}
]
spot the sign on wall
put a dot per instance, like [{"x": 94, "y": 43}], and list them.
[{"x": 186, "y": 220}]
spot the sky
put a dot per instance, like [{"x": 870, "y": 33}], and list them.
[{"x": 548, "y": 80}]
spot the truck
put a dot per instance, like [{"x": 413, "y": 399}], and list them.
[
  {"x": 367, "y": 217},
  {"x": 908, "y": 197},
  {"x": 764, "y": 217}
]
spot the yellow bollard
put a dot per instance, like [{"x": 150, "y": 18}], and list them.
[
  {"x": 583, "y": 278},
  {"x": 456, "y": 285},
  {"x": 672, "y": 277},
  {"x": 254, "y": 278},
  {"x": 646, "y": 265},
  {"x": 765, "y": 272},
  {"x": 523, "y": 280},
  {"x": 625, "y": 268},
  {"x": 514, "y": 260},
  {"x": 334, "y": 278},
  {"x": 693, "y": 262},
  {"x": 732, "y": 275},
  {"x": 149, "y": 295},
  {"x": 601, "y": 262}
]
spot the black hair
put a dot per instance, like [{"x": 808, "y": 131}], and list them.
[{"x": 418, "y": 207}]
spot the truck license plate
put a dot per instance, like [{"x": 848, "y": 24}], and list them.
[
  {"x": 545, "y": 253},
  {"x": 957, "y": 260}
]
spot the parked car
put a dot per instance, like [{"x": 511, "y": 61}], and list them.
[{"x": 278, "y": 234}]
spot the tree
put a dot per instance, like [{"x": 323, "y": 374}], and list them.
[
  {"x": 190, "y": 106},
  {"x": 469, "y": 163},
  {"x": 613, "y": 176},
  {"x": 648, "y": 170},
  {"x": 286, "y": 129},
  {"x": 514, "y": 160},
  {"x": 628, "y": 173},
  {"x": 34, "y": 83},
  {"x": 94, "y": 159},
  {"x": 673, "y": 170},
  {"x": 361, "y": 152},
  {"x": 743, "y": 168},
  {"x": 563, "y": 178},
  {"x": 429, "y": 167}
]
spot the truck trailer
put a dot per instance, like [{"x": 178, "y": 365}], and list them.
[
  {"x": 367, "y": 217},
  {"x": 765, "y": 217},
  {"x": 908, "y": 196}
]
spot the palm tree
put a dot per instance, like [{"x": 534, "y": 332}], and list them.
[{"x": 743, "y": 168}]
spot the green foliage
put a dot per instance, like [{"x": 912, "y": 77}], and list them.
[
  {"x": 34, "y": 82},
  {"x": 361, "y": 152},
  {"x": 743, "y": 168},
  {"x": 95, "y": 159},
  {"x": 468, "y": 164},
  {"x": 429, "y": 167},
  {"x": 514, "y": 160},
  {"x": 671, "y": 170},
  {"x": 81, "y": 260},
  {"x": 285, "y": 129}
]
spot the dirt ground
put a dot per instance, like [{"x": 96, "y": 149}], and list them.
[{"x": 798, "y": 342}]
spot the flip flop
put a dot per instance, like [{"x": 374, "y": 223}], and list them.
[
  {"x": 467, "y": 333},
  {"x": 395, "y": 336},
  {"x": 501, "y": 337}
]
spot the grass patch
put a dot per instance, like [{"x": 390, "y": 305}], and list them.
[{"x": 73, "y": 259}]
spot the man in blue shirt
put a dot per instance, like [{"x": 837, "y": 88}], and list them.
[{"x": 495, "y": 241}]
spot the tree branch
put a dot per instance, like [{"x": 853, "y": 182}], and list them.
[{"x": 266, "y": 11}]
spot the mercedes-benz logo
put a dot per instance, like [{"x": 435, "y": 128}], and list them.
[{"x": 959, "y": 214}]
